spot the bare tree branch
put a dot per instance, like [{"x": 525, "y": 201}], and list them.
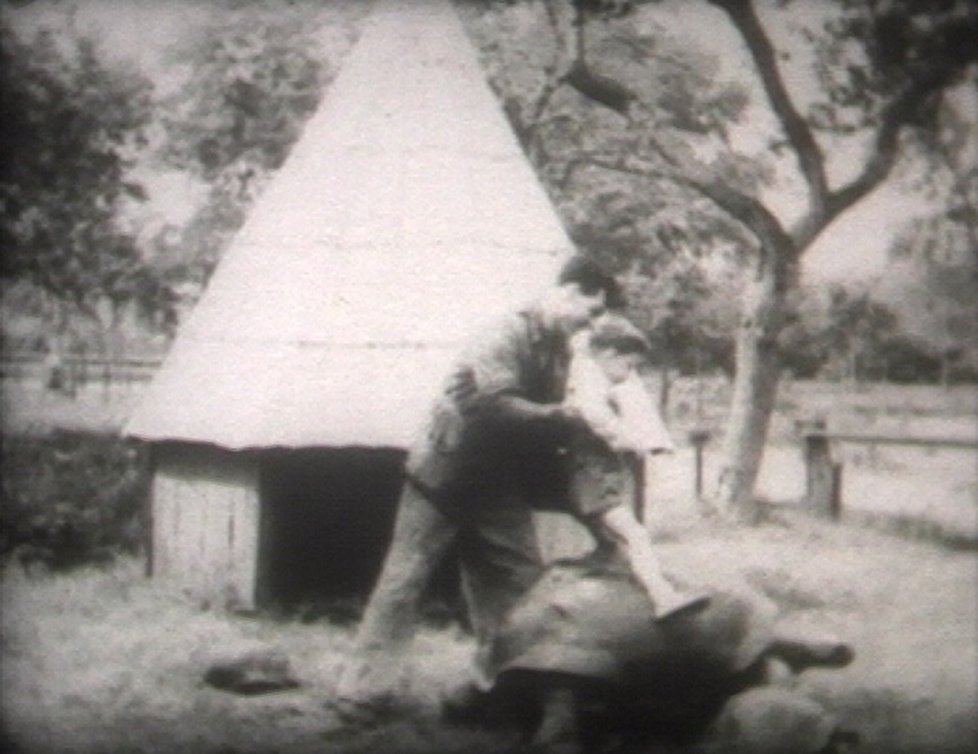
[
  {"x": 579, "y": 29},
  {"x": 803, "y": 143},
  {"x": 553, "y": 79},
  {"x": 743, "y": 208},
  {"x": 897, "y": 114}
]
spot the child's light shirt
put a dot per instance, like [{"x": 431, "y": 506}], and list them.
[
  {"x": 622, "y": 414},
  {"x": 641, "y": 423}
]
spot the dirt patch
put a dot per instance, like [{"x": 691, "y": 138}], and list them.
[{"x": 103, "y": 660}]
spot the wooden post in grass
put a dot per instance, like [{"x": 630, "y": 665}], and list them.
[
  {"x": 636, "y": 463},
  {"x": 835, "y": 501},
  {"x": 698, "y": 438},
  {"x": 823, "y": 475}
]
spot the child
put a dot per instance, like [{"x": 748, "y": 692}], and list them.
[{"x": 604, "y": 387}]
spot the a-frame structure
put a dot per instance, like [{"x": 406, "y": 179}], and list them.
[{"x": 404, "y": 217}]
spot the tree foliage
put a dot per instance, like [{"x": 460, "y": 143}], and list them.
[
  {"x": 254, "y": 81},
  {"x": 856, "y": 330},
  {"x": 255, "y": 72},
  {"x": 660, "y": 237},
  {"x": 234, "y": 93},
  {"x": 72, "y": 499},
  {"x": 70, "y": 132},
  {"x": 651, "y": 107},
  {"x": 933, "y": 285}
]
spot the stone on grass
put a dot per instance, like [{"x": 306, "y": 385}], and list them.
[{"x": 253, "y": 671}]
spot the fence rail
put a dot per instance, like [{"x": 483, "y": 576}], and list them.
[
  {"x": 964, "y": 443},
  {"x": 74, "y": 370},
  {"x": 824, "y": 474}
]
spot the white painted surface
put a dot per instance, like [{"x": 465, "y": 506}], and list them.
[{"x": 405, "y": 217}]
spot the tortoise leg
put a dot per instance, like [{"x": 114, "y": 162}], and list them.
[{"x": 800, "y": 654}]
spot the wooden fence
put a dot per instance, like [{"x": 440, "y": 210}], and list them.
[
  {"x": 71, "y": 372},
  {"x": 823, "y": 487}
]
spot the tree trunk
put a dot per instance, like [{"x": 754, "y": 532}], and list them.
[{"x": 754, "y": 392}]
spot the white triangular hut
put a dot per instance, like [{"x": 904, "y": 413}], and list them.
[{"x": 405, "y": 215}]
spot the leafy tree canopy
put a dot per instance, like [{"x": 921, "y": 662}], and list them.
[
  {"x": 256, "y": 71},
  {"x": 70, "y": 131}
]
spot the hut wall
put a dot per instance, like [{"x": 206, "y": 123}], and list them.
[
  {"x": 205, "y": 522},
  {"x": 284, "y": 528}
]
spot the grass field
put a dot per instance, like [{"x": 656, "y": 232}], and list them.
[
  {"x": 932, "y": 492},
  {"x": 102, "y": 660}
]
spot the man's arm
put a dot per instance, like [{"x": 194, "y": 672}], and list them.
[
  {"x": 502, "y": 402},
  {"x": 519, "y": 410}
]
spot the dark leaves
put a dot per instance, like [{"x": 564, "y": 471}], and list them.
[
  {"x": 868, "y": 53},
  {"x": 64, "y": 157},
  {"x": 255, "y": 82}
]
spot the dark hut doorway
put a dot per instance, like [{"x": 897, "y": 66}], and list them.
[{"x": 326, "y": 522}]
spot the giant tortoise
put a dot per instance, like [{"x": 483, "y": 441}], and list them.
[{"x": 580, "y": 661}]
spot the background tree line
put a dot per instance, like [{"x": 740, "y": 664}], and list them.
[
  {"x": 664, "y": 157},
  {"x": 83, "y": 133},
  {"x": 838, "y": 101}
]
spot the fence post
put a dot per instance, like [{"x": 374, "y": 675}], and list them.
[
  {"x": 698, "y": 438},
  {"x": 822, "y": 475},
  {"x": 835, "y": 501},
  {"x": 636, "y": 462}
]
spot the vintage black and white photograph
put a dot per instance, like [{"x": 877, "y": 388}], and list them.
[{"x": 489, "y": 376}]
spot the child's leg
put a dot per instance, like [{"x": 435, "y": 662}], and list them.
[
  {"x": 602, "y": 489},
  {"x": 599, "y": 477}
]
